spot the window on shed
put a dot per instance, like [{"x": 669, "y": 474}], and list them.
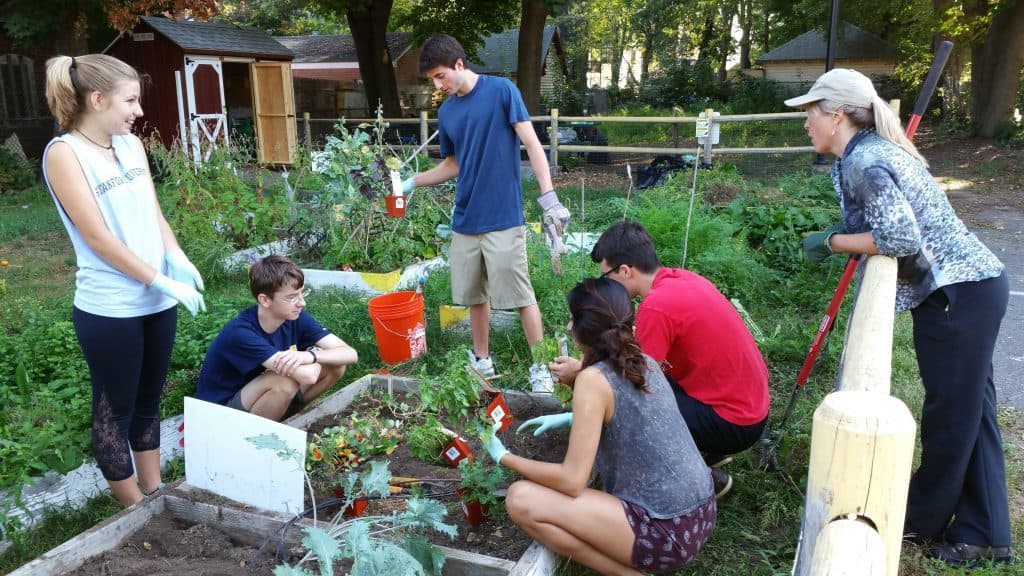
[{"x": 17, "y": 87}]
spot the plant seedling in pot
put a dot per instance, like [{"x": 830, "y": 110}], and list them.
[{"x": 481, "y": 489}]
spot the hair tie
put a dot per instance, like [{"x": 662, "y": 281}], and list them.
[
  {"x": 73, "y": 63},
  {"x": 618, "y": 325}
]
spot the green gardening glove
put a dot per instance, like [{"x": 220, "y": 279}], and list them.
[{"x": 816, "y": 245}]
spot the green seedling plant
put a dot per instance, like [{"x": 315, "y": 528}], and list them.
[
  {"x": 384, "y": 545},
  {"x": 455, "y": 394},
  {"x": 481, "y": 482},
  {"x": 427, "y": 440}
]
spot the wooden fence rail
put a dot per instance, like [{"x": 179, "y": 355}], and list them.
[{"x": 707, "y": 149}]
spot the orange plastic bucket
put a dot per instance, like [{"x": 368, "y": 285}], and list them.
[
  {"x": 395, "y": 206},
  {"x": 399, "y": 326}
]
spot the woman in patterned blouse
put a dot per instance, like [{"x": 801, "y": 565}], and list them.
[{"x": 957, "y": 293}]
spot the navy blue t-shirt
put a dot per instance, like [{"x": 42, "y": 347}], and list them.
[
  {"x": 239, "y": 351},
  {"x": 478, "y": 129}
]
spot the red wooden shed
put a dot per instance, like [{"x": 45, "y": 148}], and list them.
[{"x": 210, "y": 81}]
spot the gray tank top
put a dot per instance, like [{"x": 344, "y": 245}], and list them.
[{"x": 646, "y": 455}]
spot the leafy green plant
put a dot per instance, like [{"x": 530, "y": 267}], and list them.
[
  {"x": 427, "y": 440},
  {"x": 347, "y": 224},
  {"x": 212, "y": 209},
  {"x": 455, "y": 394},
  {"x": 16, "y": 173},
  {"x": 481, "y": 482},
  {"x": 388, "y": 545}
]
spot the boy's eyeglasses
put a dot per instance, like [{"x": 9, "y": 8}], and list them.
[
  {"x": 294, "y": 298},
  {"x": 610, "y": 270}
]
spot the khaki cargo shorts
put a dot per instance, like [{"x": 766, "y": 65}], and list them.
[{"x": 491, "y": 267}]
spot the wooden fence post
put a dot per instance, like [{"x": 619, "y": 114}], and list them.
[
  {"x": 867, "y": 353},
  {"x": 862, "y": 446},
  {"x": 710, "y": 115},
  {"x": 849, "y": 547},
  {"x": 553, "y": 139},
  {"x": 424, "y": 129},
  {"x": 307, "y": 132}
]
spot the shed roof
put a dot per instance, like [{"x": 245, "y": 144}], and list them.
[
  {"x": 813, "y": 45},
  {"x": 500, "y": 53},
  {"x": 218, "y": 37},
  {"x": 337, "y": 48}
]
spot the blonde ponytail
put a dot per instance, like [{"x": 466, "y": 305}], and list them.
[
  {"x": 60, "y": 91},
  {"x": 880, "y": 116},
  {"x": 887, "y": 124},
  {"x": 70, "y": 81}
]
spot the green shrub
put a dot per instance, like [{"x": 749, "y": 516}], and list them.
[
  {"x": 16, "y": 173},
  {"x": 750, "y": 95}
]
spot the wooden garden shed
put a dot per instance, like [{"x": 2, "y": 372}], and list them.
[
  {"x": 800, "y": 61},
  {"x": 211, "y": 82}
]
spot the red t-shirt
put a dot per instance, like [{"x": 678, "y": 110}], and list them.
[{"x": 703, "y": 345}]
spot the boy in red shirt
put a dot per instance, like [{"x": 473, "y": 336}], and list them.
[{"x": 685, "y": 324}]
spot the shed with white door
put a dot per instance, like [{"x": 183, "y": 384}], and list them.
[{"x": 212, "y": 82}]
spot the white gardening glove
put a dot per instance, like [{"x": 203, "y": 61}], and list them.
[
  {"x": 555, "y": 215},
  {"x": 179, "y": 268},
  {"x": 186, "y": 295},
  {"x": 408, "y": 185}
]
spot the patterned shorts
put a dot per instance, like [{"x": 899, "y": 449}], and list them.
[{"x": 667, "y": 545}]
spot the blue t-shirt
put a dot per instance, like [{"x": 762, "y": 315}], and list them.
[
  {"x": 239, "y": 351},
  {"x": 478, "y": 129}
]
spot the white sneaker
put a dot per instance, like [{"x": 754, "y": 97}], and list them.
[
  {"x": 485, "y": 366},
  {"x": 540, "y": 379}
]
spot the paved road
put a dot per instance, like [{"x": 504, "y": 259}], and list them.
[{"x": 1004, "y": 234}]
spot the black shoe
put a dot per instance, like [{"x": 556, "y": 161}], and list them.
[
  {"x": 967, "y": 555},
  {"x": 723, "y": 482},
  {"x": 717, "y": 460}
]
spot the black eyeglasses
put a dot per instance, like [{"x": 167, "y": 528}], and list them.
[{"x": 610, "y": 270}]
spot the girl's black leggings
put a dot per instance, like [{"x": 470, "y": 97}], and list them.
[{"x": 128, "y": 360}]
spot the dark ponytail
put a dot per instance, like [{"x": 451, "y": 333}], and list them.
[{"x": 602, "y": 323}]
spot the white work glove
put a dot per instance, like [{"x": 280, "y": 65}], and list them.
[
  {"x": 179, "y": 268},
  {"x": 408, "y": 185},
  {"x": 556, "y": 216},
  {"x": 186, "y": 295}
]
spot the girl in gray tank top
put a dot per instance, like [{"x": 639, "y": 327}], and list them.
[{"x": 658, "y": 507}]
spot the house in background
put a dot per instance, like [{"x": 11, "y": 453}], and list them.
[
  {"x": 328, "y": 83},
  {"x": 327, "y": 79},
  {"x": 500, "y": 57},
  {"x": 210, "y": 80},
  {"x": 801, "y": 60}
]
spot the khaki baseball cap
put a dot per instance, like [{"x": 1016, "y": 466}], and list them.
[{"x": 842, "y": 85}]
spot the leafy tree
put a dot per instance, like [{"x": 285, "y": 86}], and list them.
[{"x": 280, "y": 17}]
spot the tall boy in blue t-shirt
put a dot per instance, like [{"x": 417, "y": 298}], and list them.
[
  {"x": 273, "y": 357},
  {"x": 480, "y": 126}
]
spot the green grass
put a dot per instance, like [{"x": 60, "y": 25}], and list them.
[{"x": 28, "y": 215}]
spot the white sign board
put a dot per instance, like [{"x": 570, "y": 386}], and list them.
[
  {"x": 219, "y": 458},
  {"x": 703, "y": 127}
]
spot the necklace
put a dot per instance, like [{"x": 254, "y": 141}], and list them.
[{"x": 107, "y": 147}]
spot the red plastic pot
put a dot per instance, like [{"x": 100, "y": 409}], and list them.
[
  {"x": 456, "y": 451},
  {"x": 356, "y": 508},
  {"x": 498, "y": 410},
  {"x": 475, "y": 512},
  {"x": 395, "y": 206}
]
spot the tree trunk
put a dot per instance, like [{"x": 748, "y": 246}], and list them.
[
  {"x": 725, "y": 40},
  {"x": 746, "y": 22},
  {"x": 645, "y": 58},
  {"x": 369, "y": 23},
  {"x": 995, "y": 69},
  {"x": 531, "y": 39},
  {"x": 706, "y": 38}
]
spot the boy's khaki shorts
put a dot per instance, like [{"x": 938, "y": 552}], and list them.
[{"x": 491, "y": 267}]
